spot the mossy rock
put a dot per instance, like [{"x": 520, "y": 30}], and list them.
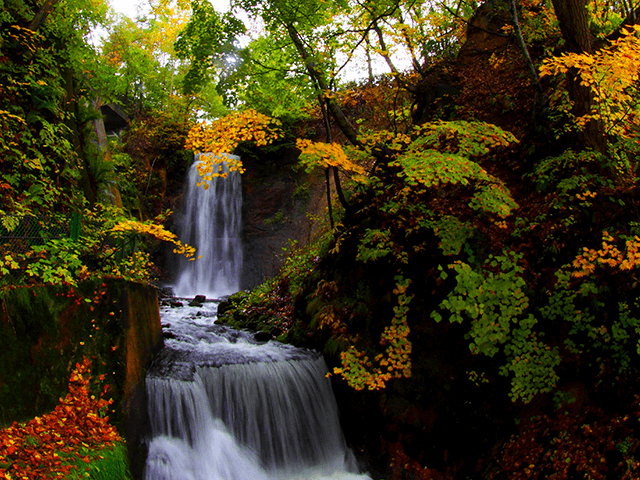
[{"x": 46, "y": 330}]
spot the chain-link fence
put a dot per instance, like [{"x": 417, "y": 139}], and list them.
[{"x": 18, "y": 234}]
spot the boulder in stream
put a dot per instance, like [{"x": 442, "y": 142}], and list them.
[{"x": 197, "y": 301}]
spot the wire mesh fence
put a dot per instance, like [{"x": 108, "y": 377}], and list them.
[{"x": 20, "y": 233}]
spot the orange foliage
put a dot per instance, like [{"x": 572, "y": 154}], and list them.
[
  {"x": 497, "y": 76},
  {"x": 570, "y": 442},
  {"x": 609, "y": 255},
  {"x": 378, "y": 106},
  {"x": 35, "y": 450},
  {"x": 360, "y": 372},
  {"x": 222, "y": 137},
  {"x": 402, "y": 465}
]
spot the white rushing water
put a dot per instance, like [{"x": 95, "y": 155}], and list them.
[
  {"x": 224, "y": 406},
  {"x": 211, "y": 222}
]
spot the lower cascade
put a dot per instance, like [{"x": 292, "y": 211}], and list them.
[{"x": 224, "y": 406}]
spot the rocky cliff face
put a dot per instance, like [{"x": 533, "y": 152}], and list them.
[{"x": 280, "y": 204}]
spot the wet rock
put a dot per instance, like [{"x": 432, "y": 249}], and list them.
[
  {"x": 169, "y": 334},
  {"x": 197, "y": 301},
  {"x": 176, "y": 304},
  {"x": 164, "y": 291}
]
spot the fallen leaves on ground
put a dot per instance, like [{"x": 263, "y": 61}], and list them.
[{"x": 45, "y": 447}]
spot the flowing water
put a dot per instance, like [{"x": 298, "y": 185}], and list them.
[
  {"x": 225, "y": 406},
  {"x": 211, "y": 222}
]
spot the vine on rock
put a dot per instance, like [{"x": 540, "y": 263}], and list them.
[{"x": 358, "y": 369}]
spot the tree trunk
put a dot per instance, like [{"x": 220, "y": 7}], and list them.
[
  {"x": 341, "y": 197},
  {"x": 42, "y": 14},
  {"x": 88, "y": 181},
  {"x": 574, "y": 25},
  {"x": 336, "y": 112},
  {"x": 329, "y": 206},
  {"x": 327, "y": 176}
]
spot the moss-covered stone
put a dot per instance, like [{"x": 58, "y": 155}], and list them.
[{"x": 45, "y": 330}]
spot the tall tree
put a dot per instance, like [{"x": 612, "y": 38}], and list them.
[{"x": 573, "y": 18}]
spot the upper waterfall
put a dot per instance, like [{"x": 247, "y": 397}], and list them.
[{"x": 212, "y": 223}]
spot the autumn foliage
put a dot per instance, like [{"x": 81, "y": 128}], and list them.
[
  {"x": 325, "y": 155},
  {"x": 48, "y": 446},
  {"x": 610, "y": 74},
  {"x": 572, "y": 441},
  {"x": 158, "y": 232},
  {"x": 215, "y": 141},
  {"x": 609, "y": 255},
  {"x": 402, "y": 465}
]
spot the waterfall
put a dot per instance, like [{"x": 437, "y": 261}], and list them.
[
  {"x": 212, "y": 223},
  {"x": 223, "y": 405}
]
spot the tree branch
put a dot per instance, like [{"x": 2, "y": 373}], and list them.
[
  {"x": 42, "y": 14},
  {"x": 336, "y": 112}
]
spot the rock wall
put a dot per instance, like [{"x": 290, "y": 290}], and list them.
[
  {"x": 44, "y": 331},
  {"x": 280, "y": 204}
]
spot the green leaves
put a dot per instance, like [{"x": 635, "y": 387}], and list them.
[
  {"x": 471, "y": 139},
  {"x": 374, "y": 245},
  {"x": 434, "y": 169},
  {"x": 492, "y": 298},
  {"x": 207, "y": 38},
  {"x": 440, "y": 157},
  {"x": 267, "y": 78}
]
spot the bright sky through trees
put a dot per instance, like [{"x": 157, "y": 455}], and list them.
[{"x": 131, "y": 8}]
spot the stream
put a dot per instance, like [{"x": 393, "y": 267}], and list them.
[{"x": 223, "y": 405}]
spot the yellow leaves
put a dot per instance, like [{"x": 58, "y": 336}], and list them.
[
  {"x": 393, "y": 141},
  {"x": 156, "y": 231},
  {"x": 224, "y": 135},
  {"x": 5, "y": 114},
  {"x": 611, "y": 74},
  {"x": 608, "y": 256},
  {"x": 217, "y": 140},
  {"x": 324, "y": 155}
]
